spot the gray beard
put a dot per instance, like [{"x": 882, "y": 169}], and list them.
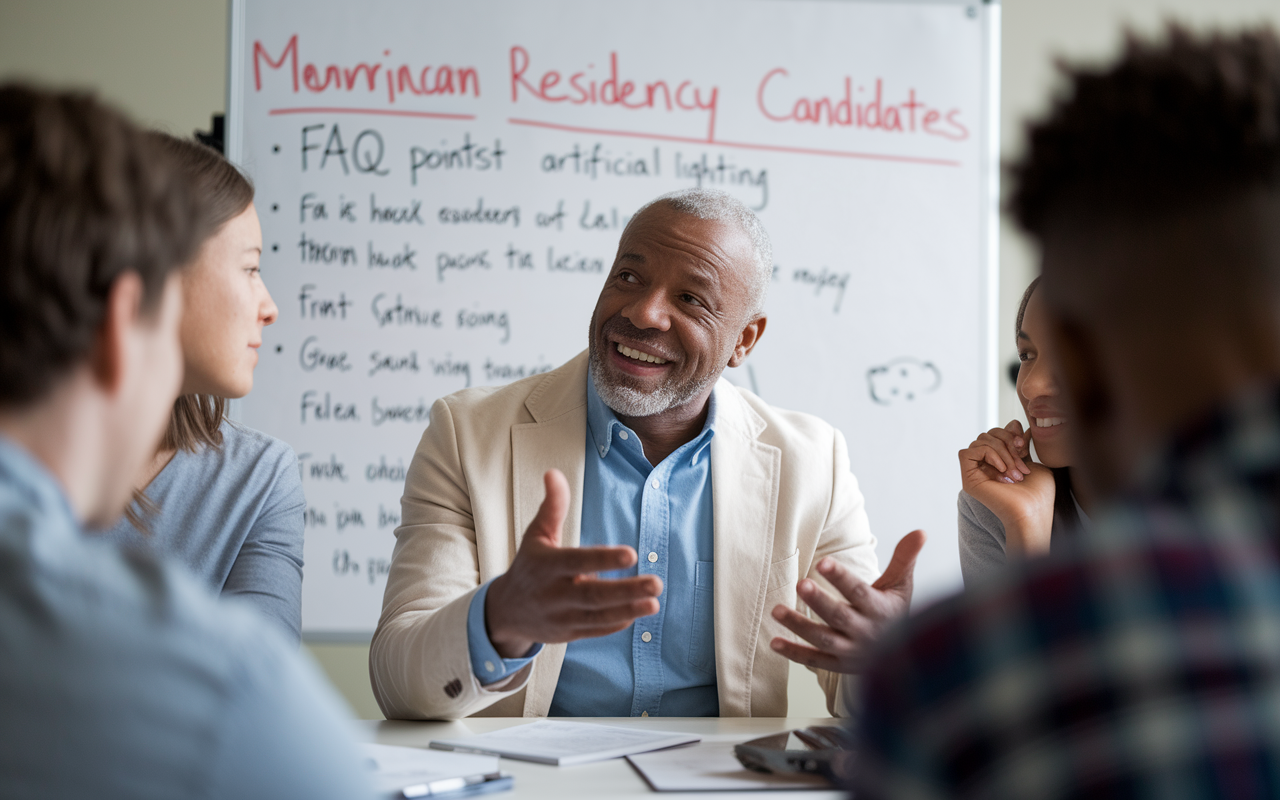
[{"x": 631, "y": 402}]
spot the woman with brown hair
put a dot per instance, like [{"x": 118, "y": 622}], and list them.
[
  {"x": 1011, "y": 506},
  {"x": 223, "y": 499}
]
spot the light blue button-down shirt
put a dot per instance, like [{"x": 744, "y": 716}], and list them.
[
  {"x": 663, "y": 665},
  {"x": 121, "y": 677}
]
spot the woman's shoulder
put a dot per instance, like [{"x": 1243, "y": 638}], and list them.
[
  {"x": 245, "y": 455},
  {"x": 242, "y": 442}
]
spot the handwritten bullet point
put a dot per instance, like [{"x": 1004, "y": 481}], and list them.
[
  {"x": 275, "y": 248},
  {"x": 275, "y": 149},
  {"x": 275, "y": 206},
  {"x": 279, "y": 348}
]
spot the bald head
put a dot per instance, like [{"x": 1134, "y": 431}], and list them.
[{"x": 714, "y": 205}]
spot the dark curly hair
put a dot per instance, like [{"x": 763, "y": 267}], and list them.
[
  {"x": 85, "y": 196},
  {"x": 1173, "y": 121}
]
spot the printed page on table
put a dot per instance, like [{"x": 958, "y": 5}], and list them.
[{"x": 442, "y": 187}]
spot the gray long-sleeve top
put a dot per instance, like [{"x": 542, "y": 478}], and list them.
[
  {"x": 982, "y": 539},
  {"x": 233, "y": 516}
]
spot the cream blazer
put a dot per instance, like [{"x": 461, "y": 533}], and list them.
[{"x": 783, "y": 498}]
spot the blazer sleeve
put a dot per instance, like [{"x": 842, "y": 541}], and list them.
[
  {"x": 846, "y": 536},
  {"x": 419, "y": 662}
]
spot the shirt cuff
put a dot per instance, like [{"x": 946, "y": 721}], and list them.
[{"x": 488, "y": 666}]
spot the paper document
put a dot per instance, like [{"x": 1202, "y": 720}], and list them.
[
  {"x": 429, "y": 772},
  {"x": 566, "y": 743},
  {"x": 712, "y": 767}
]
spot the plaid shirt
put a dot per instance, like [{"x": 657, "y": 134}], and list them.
[{"x": 1144, "y": 662}]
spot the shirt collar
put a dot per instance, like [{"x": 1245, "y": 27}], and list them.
[{"x": 602, "y": 423}]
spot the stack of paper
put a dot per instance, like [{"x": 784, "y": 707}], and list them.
[{"x": 565, "y": 743}]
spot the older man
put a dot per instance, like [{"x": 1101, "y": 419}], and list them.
[{"x": 502, "y": 602}]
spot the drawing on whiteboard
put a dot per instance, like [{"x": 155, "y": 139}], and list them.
[{"x": 902, "y": 380}]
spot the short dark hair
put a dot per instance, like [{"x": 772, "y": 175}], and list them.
[
  {"x": 1172, "y": 122},
  {"x": 85, "y": 196},
  {"x": 225, "y": 193}
]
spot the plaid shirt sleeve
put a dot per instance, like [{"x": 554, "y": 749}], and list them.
[{"x": 1138, "y": 672}]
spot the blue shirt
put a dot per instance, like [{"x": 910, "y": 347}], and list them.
[
  {"x": 120, "y": 676},
  {"x": 663, "y": 665},
  {"x": 232, "y": 515}
]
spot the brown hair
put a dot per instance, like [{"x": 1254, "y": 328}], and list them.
[
  {"x": 85, "y": 196},
  {"x": 226, "y": 193},
  {"x": 1169, "y": 124}
]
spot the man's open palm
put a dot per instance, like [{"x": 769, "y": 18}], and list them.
[
  {"x": 854, "y": 623},
  {"x": 551, "y": 594}
]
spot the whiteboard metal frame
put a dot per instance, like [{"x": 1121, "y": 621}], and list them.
[{"x": 990, "y": 402}]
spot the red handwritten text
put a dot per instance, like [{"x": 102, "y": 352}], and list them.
[
  {"x": 908, "y": 116},
  {"x": 445, "y": 79},
  {"x": 584, "y": 89}
]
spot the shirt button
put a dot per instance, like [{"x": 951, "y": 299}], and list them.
[
  {"x": 653, "y": 557},
  {"x": 655, "y": 483},
  {"x": 646, "y": 636},
  {"x": 623, "y": 435},
  {"x": 488, "y": 665},
  {"x": 644, "y": 713}
]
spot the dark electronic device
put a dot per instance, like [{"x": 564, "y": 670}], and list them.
[{"x": 817, "y": 750}]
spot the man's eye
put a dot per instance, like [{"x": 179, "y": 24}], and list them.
[
  {"x": 690, "y": 299},
  {"x": 627, "y": 277},
  {"x": 253, "y": 270},
  {"x": 1024, "y": 356}
]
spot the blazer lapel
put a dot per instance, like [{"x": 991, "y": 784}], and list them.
[
  {"x": 555, "y": 439},
  {"x": 744, "y": 481}
]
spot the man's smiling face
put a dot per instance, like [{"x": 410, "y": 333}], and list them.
[{"x": 671, "y": 312}]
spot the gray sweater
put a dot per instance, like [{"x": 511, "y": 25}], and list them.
[
  {"x": 233, "y": 516},
  {"x": 982, "y": 538}
]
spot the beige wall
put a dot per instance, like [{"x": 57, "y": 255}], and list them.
[{"x": 165, "y": 62}]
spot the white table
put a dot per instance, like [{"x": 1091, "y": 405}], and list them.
[{"x": 603, "y": 779}]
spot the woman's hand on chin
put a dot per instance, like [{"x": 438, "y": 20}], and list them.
[{"x": 998, "y": 472}]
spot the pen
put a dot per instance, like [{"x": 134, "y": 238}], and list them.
[{"x": 445, "y": 786}]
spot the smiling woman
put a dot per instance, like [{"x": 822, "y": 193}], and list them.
[
  {"x": 1011, "y": 505},
  {"x": 222, "y": 499}
]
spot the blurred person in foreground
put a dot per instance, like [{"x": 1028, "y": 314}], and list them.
[
  {"x": 1145, "y": 661},
  {"x": 120, "y": 676}
]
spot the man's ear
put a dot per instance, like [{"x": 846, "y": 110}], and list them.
[
  {"x": 121, "y": 316},
  {"x": 747, "y": 340}
]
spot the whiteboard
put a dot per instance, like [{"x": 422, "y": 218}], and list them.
[{"x": 442, "y": 186}]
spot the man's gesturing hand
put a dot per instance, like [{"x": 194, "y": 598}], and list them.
[
  {"x": 550, "y": 594},
  {"x": 852, "y": 627}
]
